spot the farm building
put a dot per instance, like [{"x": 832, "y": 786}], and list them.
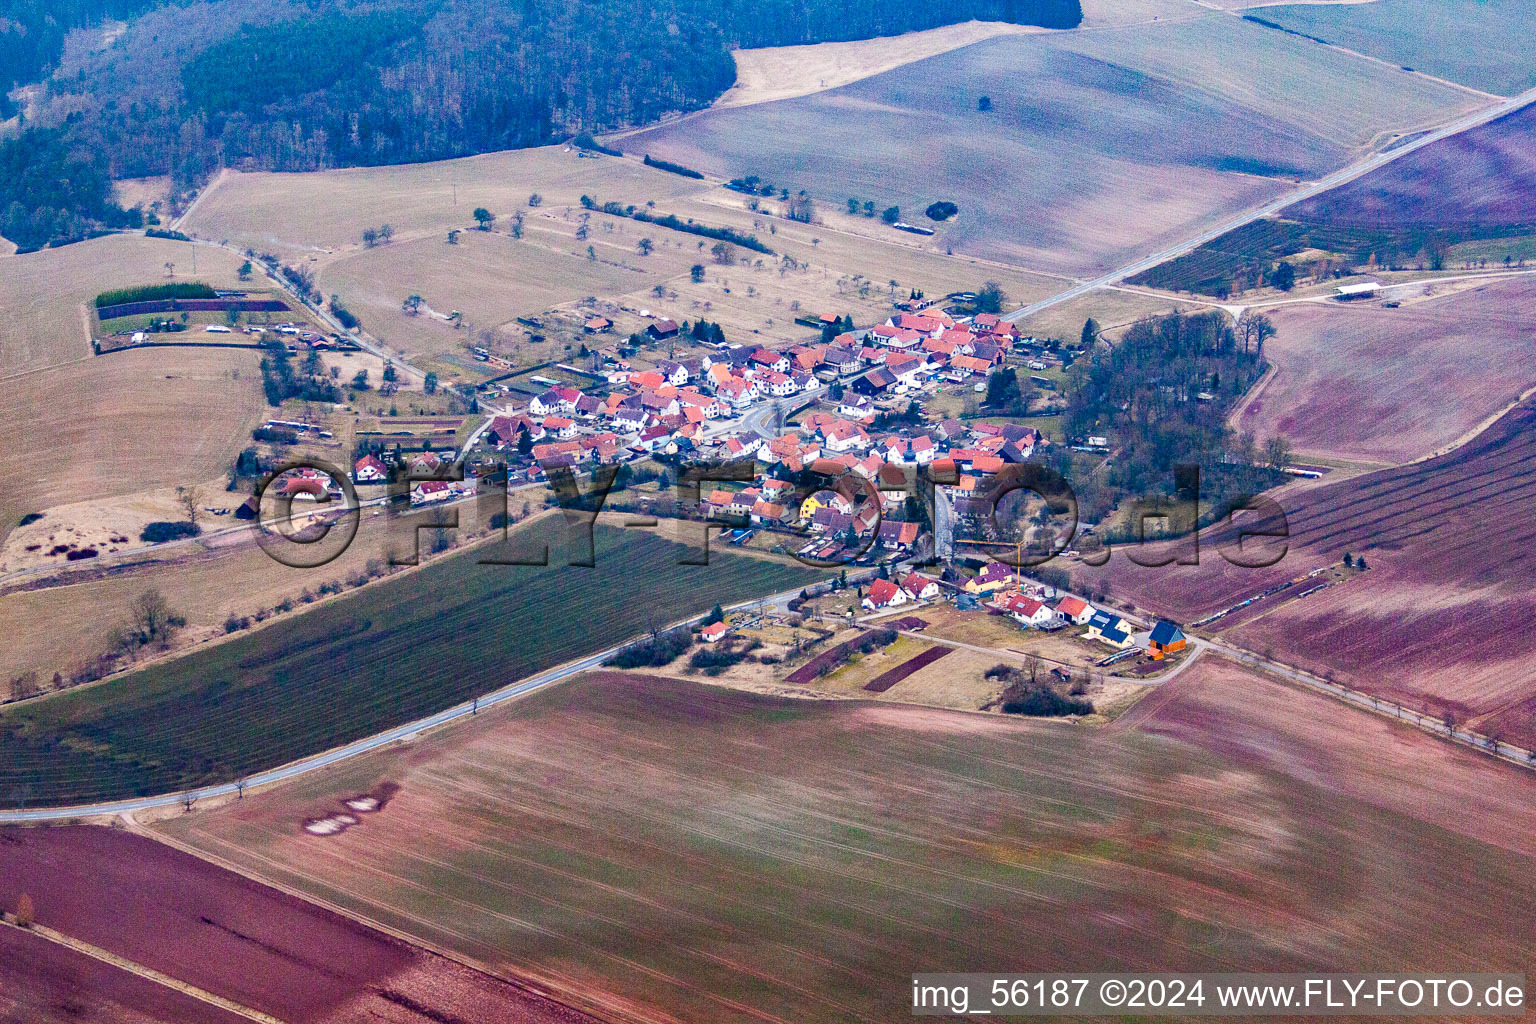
[
  {"x": 1363, "y": 290},
  {"x": 1165, "y": 638},
  {"x": 713, "y": 633},
  {"x": 662, "y": 329}
]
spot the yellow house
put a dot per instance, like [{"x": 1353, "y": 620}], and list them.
[{"x": 993, "y": 576}]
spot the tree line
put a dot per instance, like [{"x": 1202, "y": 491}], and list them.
[{"x": 332, "y": 84}]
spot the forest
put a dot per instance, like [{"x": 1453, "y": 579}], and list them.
[
  {"x": 291, "y": 85},
  {"x": 1162, "y": 394}
]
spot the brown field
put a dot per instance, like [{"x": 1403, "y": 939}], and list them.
[
  {"x": 1220, "y": 705},
  {"x": 1067, "y": 194},
  {"x": 296, "y": 215},
  {"x": 844, "y": 264},
  {"x": 1100, "y": 13},
  {"x": 1438, "y": 620},
  {"x": 43, "y": 981},
  {"x": 1390, "y": 385},
  {"x": 44, "y": 296},
  {"x": 123, "y": 423},
  {"x": 780, "y": 72},
  {"x": 489, "y": 277},
  {"x": 112, "y": 526},
  {"x": 1279, "y": 76},
  {"x": 688, "y": 853},
  {"x": 164, "y": 909}
]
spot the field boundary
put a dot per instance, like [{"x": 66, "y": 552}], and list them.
[
  {"x": 404, "y": 732},
  {"x": 523, "y": 984},
  {"x": 891, "y": 676},
  {"x": 1500, "y": 749},
  {"x": 147, "y": 973}
]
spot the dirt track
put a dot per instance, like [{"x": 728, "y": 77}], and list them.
[{"x": 1438, "y": 621}]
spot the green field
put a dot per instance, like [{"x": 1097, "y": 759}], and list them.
[{"x": 384, "y": 656}]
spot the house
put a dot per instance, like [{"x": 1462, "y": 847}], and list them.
[
  {"x": 884, "y": 594},
  {"x": 713, "y": 633},
  {"x": 767, "y": 513},
  {"x": 855, "y": 407},
  {"x": 874, "y": 382},
  {"x": 710, "y": 406},
  {"x": 424, "y": 463},
  {"x": 828, "y": 520},
  {"x": 673, "y": 373},
  {"x": 504, "y": 430},
  {"x": 842, "y": 436},
  {"x": 743, "y": 501},
  {"x": 920, "y": 587},
  {"x": 630, "y": 420},
  {"x": 741, "y": 446},
  {"x": 716, "y": 501},
  {"x": 1166, "y": 638},
  {"x": 768, "y": 359},
  {"x": 898, "y": 535},
  {"x": 841, "y": 360},
  {"x": 779, "y": 385},
  {"x": 431, "y": 492},
  {"x": 369, "y": 470},
  {"x": 1027, "y": 611},
  {"x": 555, "y": 400},
  {"x": 1110, "y": 629},
  {"x": 739, "y": 393},
  {"x": 560, "y": 427},
  {"x": 993, "y": 576},
  {"x": 1075, "y": 610},
  {"x": 661, "y": 329},
  {"x": 597, "y": 325}
]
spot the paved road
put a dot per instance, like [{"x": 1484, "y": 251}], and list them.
[
  {"x": 510, "y": 692},
  {"x": 760, "y": 418},
  {"x": 1323, "y": 184}
]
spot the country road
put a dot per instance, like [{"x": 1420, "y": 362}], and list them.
[
  {"x": 512, "y": 691},
  {"x": 1323, "y": 184},
  {"x": 757, "y": 420}
]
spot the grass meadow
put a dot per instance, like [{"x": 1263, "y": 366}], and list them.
[
  {"x": 45, "y": 296},
  {"x": 122, "y": 423},
  {"x": 389, "y": 654}
]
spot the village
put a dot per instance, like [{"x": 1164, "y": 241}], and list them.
[
  {"x": 864, "y": 405},
  {"x": 819, "y": 442}
]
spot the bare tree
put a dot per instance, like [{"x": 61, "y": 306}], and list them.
[
  {"x": 191, "y": 500},
  {"x": 170, "y": 269},
  {"x": 26, "y": 913},
  {"x": 240, "y": 785},
  {"x": 153, "y": 620},
  {"x": 25, "y": 685},
  {"x": 1255, "y": 328}
]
